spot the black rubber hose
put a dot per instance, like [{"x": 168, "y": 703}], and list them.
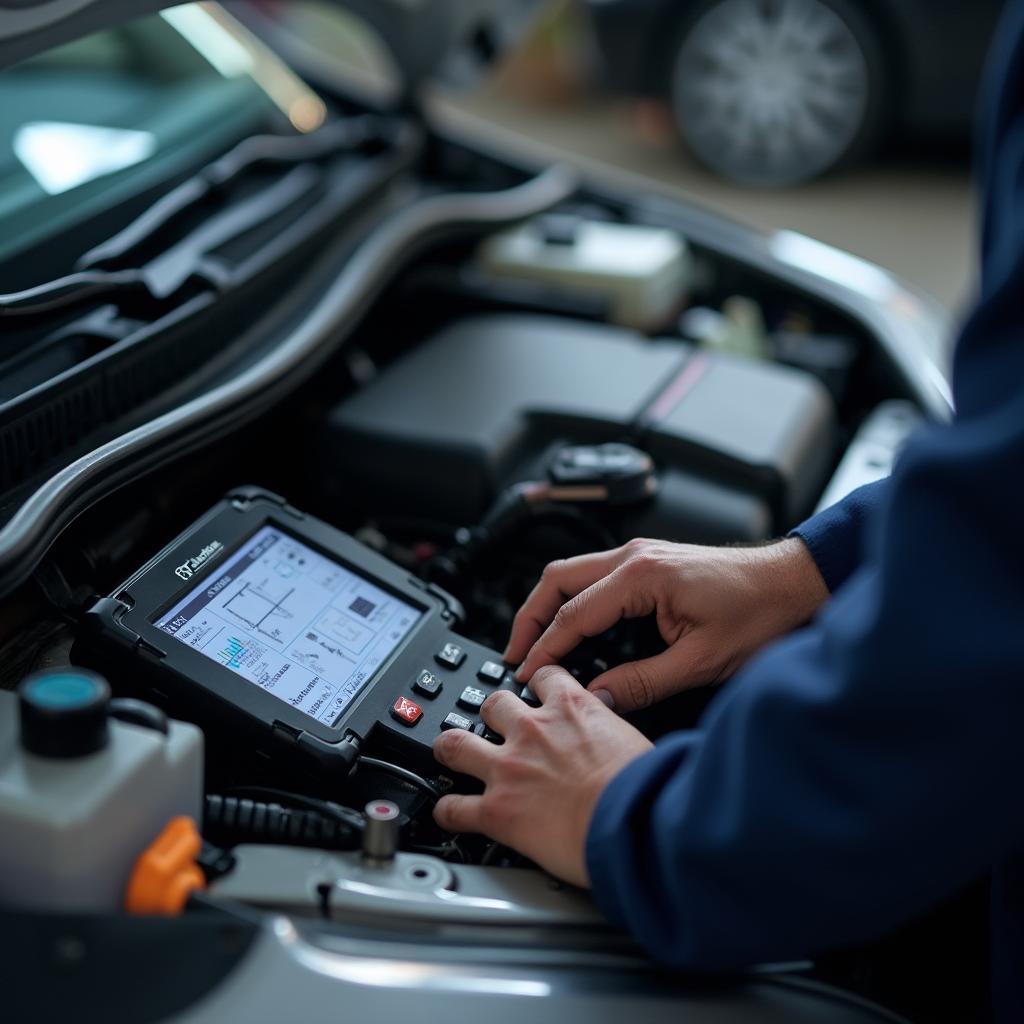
[{"x": 229, "y": 821}]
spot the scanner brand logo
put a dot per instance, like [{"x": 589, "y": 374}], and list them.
[{"x": 188, "y": 568}]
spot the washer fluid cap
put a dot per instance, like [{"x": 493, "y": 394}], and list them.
[{"x": 63, "y": 713}]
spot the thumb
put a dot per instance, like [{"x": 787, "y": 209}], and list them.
[{"x": 638, "y": 684}]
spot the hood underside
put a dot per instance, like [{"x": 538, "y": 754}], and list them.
[{"x": 427, "y": 38}]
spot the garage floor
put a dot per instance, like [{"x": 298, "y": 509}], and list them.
[{"x": 911, "y": 213}]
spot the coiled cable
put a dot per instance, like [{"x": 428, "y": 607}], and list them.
[{"x": 229, "y": 821}]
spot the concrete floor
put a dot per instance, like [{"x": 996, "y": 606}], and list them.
[{"x": 912, "y": 215}]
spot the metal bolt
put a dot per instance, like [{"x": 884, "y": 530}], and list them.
[{"x": 380, "y": 832}]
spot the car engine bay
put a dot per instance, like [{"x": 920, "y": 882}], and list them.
[{"x": 479, "y": 440}]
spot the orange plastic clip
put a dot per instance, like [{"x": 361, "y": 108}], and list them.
[{"x": 166, "y": 873}]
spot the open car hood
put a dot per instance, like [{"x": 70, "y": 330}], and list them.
[{"x": 449, "y": 39}]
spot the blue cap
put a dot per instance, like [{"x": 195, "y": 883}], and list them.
[{"x": 64, "y": 713}]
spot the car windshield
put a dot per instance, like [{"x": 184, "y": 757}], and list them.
[{"x": 92, "y": 131}]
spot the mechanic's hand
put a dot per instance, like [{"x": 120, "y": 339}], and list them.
[
  {"x": 541, "y": 785},
  {"x": 715, "y": 607}
]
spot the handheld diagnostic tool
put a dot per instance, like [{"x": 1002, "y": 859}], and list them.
[{"x": 261, "y": 620}]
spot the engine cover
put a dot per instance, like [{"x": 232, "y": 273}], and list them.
[{"x": 743, "y": 447}]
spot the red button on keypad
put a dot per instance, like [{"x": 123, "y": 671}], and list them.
[{"x": 408, "y": 712}]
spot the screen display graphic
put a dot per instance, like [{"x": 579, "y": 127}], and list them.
[{"x": 299, "y": 625}]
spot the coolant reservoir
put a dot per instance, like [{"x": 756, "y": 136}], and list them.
[
  {"x": 82, "y": 794},
  {"x": 642, "y": 273}
]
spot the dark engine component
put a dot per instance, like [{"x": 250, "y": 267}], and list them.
[{"x": 742, "y": 447}]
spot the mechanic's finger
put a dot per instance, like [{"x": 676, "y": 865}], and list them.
[
  {"x": 464, "y": 752},
  {"x": 458, "y": 813},
  {"x": 502, "y": 710},
  {"x": 561, "y": 580},
  {"x": 591, "y": 612},
  {"x": 638, "y": 684},
  {"x": 551, "y": 680}
]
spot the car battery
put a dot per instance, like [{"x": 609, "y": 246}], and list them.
[{"x": 742, "y": 447}]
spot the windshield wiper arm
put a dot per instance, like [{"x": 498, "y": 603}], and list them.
[
  {"x": 189, "y": 259},
  {"x": 165, "y": 272},
  {"x": 82, "y": 286},
  {"x": 333, "y": 139}
]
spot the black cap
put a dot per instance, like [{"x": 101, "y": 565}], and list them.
[{"x": 64, "y": 713}]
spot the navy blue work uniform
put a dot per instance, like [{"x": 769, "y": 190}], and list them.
[{"x": 867, "y": 766}]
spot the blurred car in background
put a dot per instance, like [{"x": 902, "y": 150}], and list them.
[{"x": 774, "y": 92}]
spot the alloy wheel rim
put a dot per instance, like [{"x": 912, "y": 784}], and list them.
[{"x": 771, "y": 91}]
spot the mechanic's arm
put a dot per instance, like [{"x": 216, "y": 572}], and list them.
[
  {"x": 715, "y": 607},
  {"x": 865, "y": 767}
]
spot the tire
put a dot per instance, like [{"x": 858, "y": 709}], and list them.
[{"x": 775, "y": 92}]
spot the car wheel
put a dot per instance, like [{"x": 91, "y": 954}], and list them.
[{"x": 774, "y": 92}]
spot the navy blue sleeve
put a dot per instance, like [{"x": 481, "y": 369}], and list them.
[
  {"x": 835, "y": 536},
  {"x": 866, "y": 766}
]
